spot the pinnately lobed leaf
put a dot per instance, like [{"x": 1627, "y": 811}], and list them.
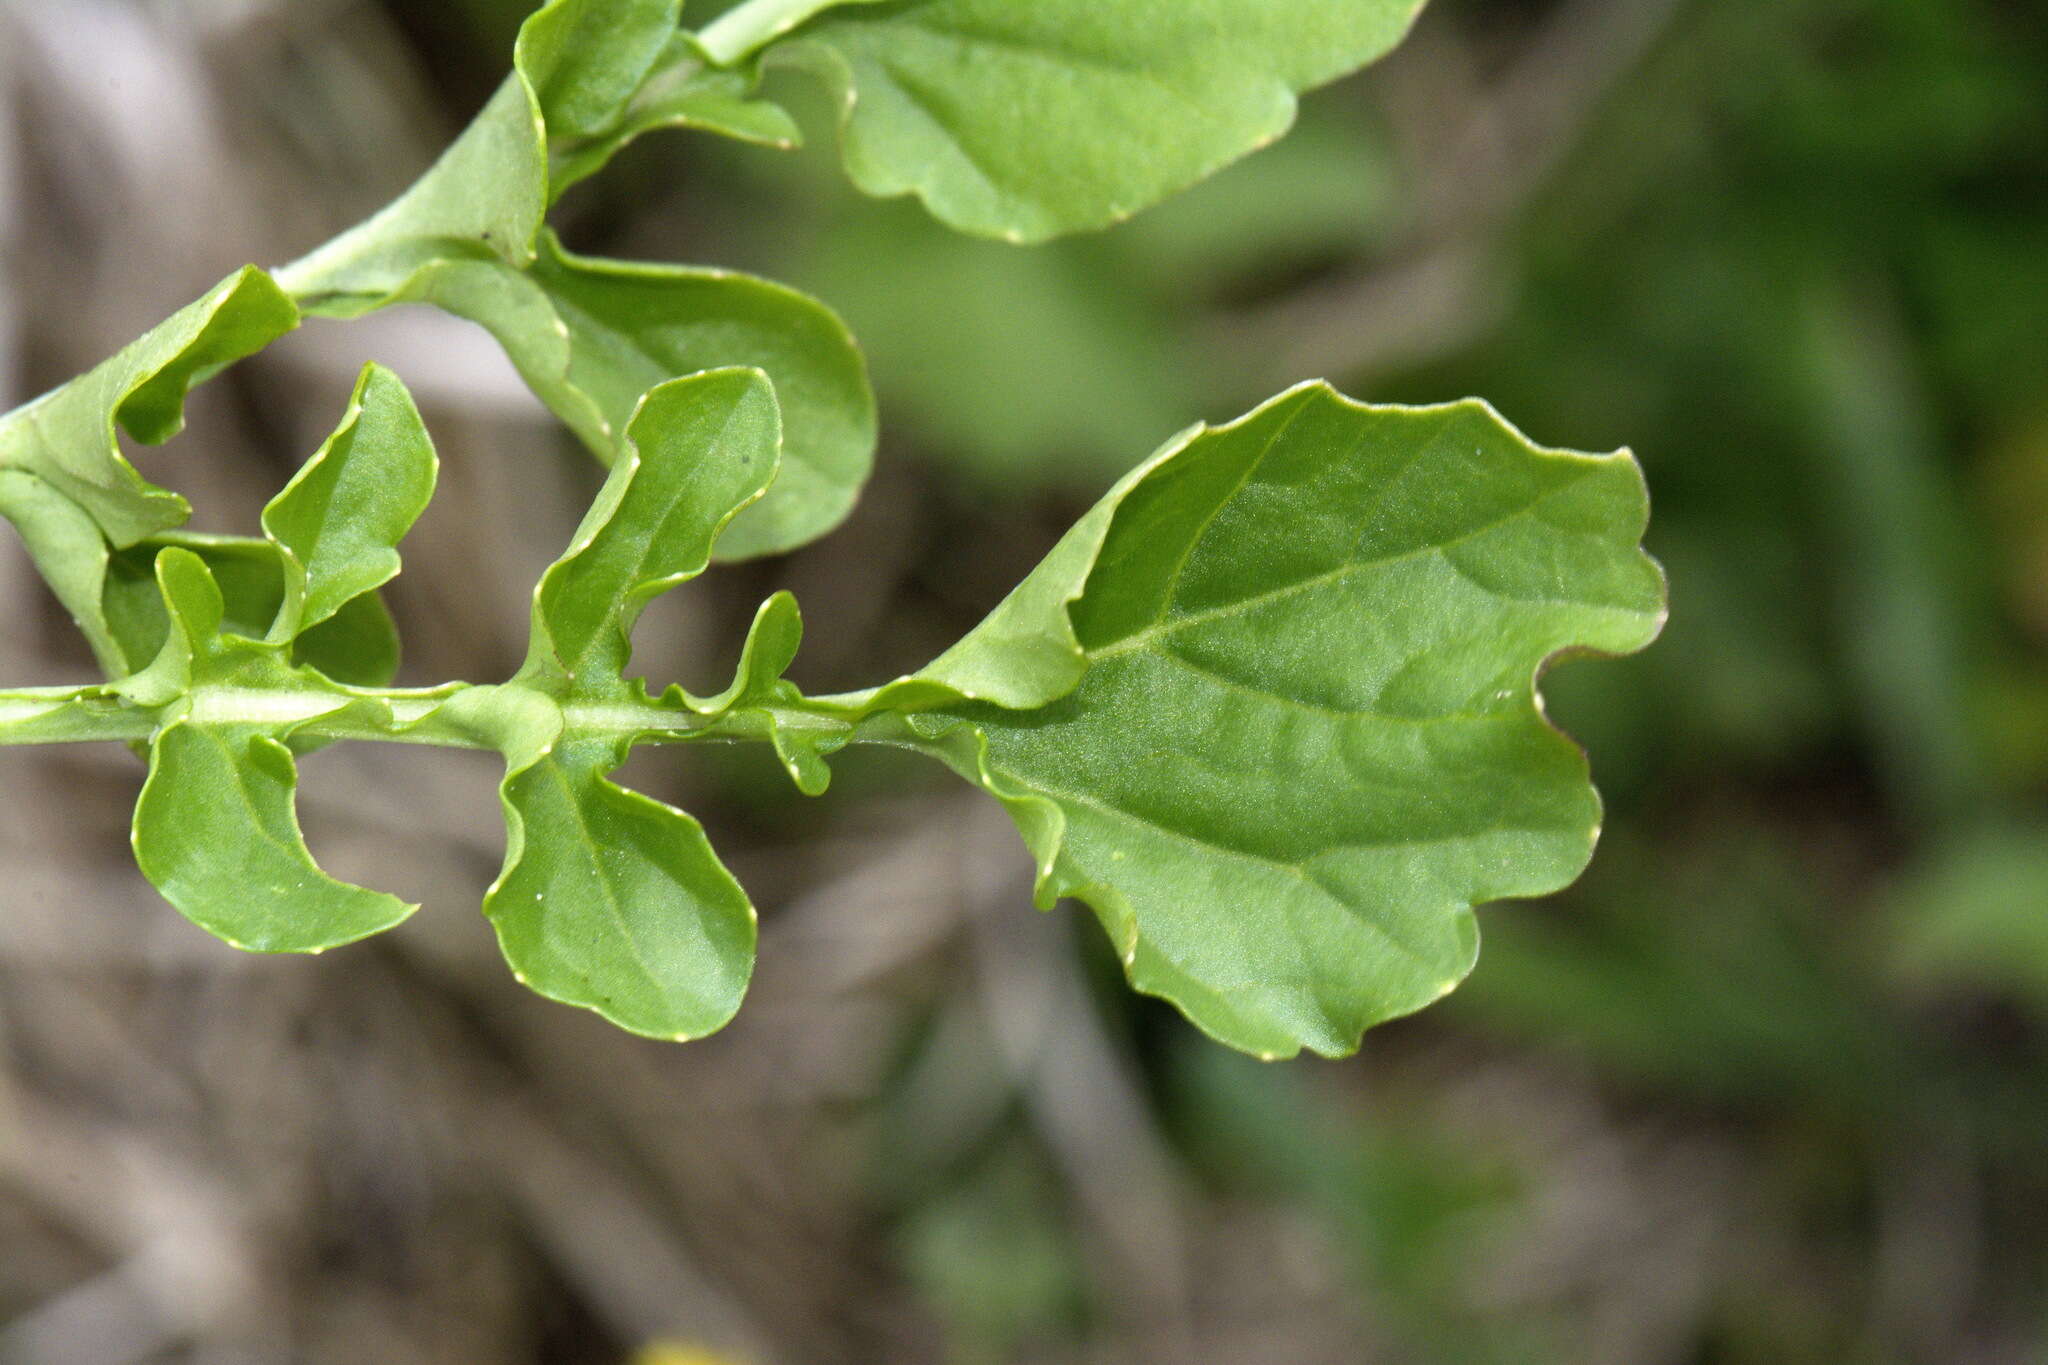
[
  {"x": 216, "y": 828},
  {"x": 610, "y": 899},
  {"x": 1305, "y": 739},
  {"x": 1270, "y": 708}
]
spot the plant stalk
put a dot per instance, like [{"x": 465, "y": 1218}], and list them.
[
  {"x": 745, "y": 29},
  {"x": 405, "y": 716}
]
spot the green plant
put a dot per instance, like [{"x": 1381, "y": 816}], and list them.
[{"x": 1269, "y": 708}]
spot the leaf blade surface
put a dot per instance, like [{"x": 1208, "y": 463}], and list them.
[
  {"x": 1307, "y": 739},
  {"x": 1025, "y": 121},
  {"x": 66, "y": 438},
  {"x": 609, "y": 899},
  {"x": 338, "y": 522},
  {"x": 590, "y": 336},
  {"x": 617, "y": 903},
  {"x": 216, "y": 827}
]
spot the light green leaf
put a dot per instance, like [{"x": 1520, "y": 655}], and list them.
[
  {"x": 115, "y": 600},
  {"x": 337, "y": 524},
  {"x": 1026, "y": 653},
  {"x": 1025, "y": 121},
  {"x": 69, "y": 551},
  {"x": 590, "y": 336},
  {"x": 245, "y": 574},
  {"x": 697, "y": 451},
  {"x": 762, "y": 702},
  {"x": 604, "y": 72},
  {"x": 330, "y": 539},
  {"x": 215, "y": 828},
  {"x": 610, "y": 899},
  {"x": 771, "y": 644},
  {"x": 358, "y": 646},
  {"x": 216, "y": 833},
  {"x": 481, "y": 201},
  {"x": 680, "y": 92},
  {"x": 1305, "y": 740},
  {"x": 634, "y": 326},
  {"x": 194, "y": 612},
  {"x": 616, "y": 902},
  {"x": 63, "y": 479},
  {"x": 588, "y": 77},
  {"x": 586, "y": 60},
  {"x": 67, "y": 439}
]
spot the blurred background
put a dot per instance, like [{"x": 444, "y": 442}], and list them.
[{"x": 1770, "y": 1084}]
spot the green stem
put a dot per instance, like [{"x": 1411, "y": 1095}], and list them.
[
  {"x": 745, "y": 29},
  {"x": 75, "y": 715}
]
